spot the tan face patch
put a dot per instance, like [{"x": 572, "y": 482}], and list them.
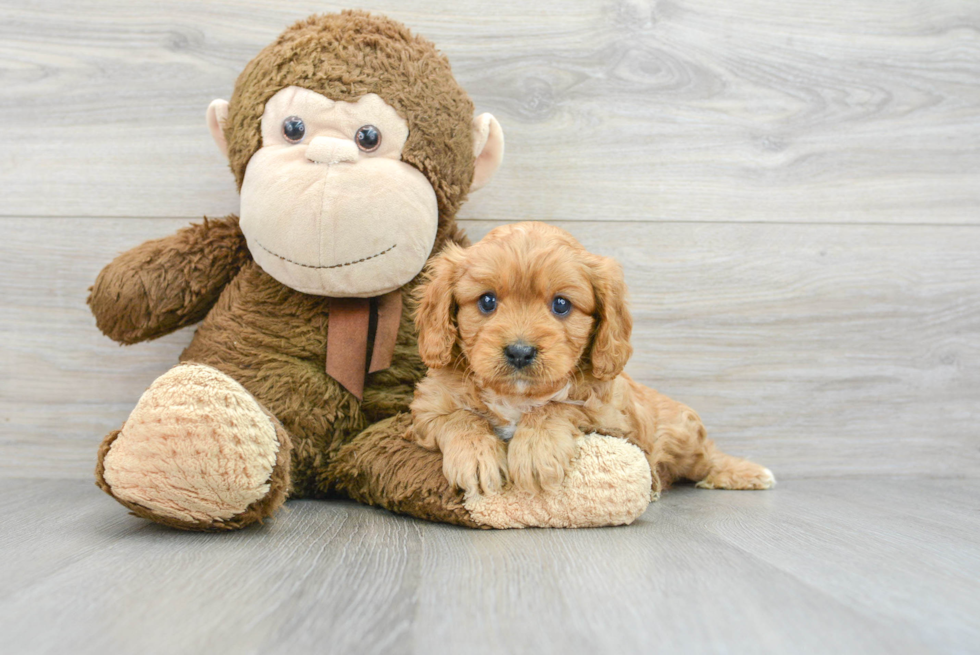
[{"x": 326, "y": 216}]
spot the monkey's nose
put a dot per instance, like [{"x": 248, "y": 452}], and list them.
[
  {"x": 329, "y": 150},
  {"x": 520, "y": 354}
]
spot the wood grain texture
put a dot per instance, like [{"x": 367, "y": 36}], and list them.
[
  {"x": 822, "y": 566},
  {"x": 818, "y": 350},
  {"x": 694, "y": 110}
]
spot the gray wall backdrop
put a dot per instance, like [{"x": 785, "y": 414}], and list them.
[{"x": 793, "y": 188}]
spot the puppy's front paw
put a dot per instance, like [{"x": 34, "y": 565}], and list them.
[
  {"x": 538, "y": 459},
  {"x": 475, "y": 461}
]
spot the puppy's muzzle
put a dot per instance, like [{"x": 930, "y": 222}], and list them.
[{"x": 520, "y": 354}]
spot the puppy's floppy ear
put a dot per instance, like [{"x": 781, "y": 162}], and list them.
[
  {"x": 611, "y": 347},
  {"x": 435, "y": 316}
]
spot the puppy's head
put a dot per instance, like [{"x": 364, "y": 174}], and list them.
[{"x": 526, "y": 307}]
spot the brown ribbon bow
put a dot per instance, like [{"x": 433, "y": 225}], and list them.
[{"x": 348, "y": 331}]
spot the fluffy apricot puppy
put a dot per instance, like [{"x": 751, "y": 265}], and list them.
[{"x": 526, "y": 335}]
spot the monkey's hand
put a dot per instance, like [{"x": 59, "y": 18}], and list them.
[{"x": 166, "y": 284}]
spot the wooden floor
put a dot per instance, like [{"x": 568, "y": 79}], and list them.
[{"x": 889, "y": 565}]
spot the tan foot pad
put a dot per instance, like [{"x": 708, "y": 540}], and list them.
[
  {"x": 198, "y": 448},
  {"x": 609, "y": 483}
]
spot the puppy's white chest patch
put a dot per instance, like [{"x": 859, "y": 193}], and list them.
[
  {"x": 509, "y": 409},
  {"x": 506, "y": 432},
  {"x": 511, "y": 416}
]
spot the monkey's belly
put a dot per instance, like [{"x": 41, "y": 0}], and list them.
[{"x": 272, "y": 341}]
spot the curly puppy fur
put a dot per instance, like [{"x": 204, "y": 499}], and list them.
[{"x": 495, "y": 421}]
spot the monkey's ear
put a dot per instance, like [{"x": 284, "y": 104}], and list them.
[
  {"x": 435, "y": 314},
  {"x": 488, "y": 149},
  {"x": 217, "y": 114}
]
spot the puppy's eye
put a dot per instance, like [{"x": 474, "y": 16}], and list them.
[
  {"x": 561, "y": 306},
  {"x": 487, "y": 302},
  {"x": 368, "y": 138},
  {"x": 293, "y": 129}
]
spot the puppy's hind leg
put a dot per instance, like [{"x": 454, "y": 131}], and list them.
[
  {"x": 692, "y": 455},
  {"x": 713, "y": 469},
  {"x": 722, "y": 471}
]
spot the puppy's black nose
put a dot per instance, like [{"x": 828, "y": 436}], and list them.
[{"x": 520, "y": 354}]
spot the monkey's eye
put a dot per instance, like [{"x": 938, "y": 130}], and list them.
[
  {"x": 293, "y": 129},
  {"x": 561, "y": 306},
  {"x": 368, "y": 138},
  {"x": 487, "y": 302}
]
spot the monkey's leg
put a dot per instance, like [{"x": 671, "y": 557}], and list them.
[
  {"x": 380, "y": 467},
  {"x": 608, "y": 483},
  {"x": 198, "y": 452}
]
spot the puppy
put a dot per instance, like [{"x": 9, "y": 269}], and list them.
[{"x": 526, "y": 335}]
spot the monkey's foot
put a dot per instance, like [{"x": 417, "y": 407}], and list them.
[
  {"x": 607, "y": 483},
  {"x": 198, "y": 453}
]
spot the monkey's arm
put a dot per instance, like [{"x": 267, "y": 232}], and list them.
[{"x": 166, "y": 284}]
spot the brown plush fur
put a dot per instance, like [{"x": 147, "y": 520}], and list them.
[
  {"x": 395, "y": 474},
  {"x": 272, "y": 339},
  {"x": 574, "y": 383},
  {"x": 166, "y": 284}
]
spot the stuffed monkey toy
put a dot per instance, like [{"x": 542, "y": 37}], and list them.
[{"x": 353, "y": 148}]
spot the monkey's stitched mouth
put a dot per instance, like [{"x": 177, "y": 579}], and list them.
[{"x": 350, "y": 263}]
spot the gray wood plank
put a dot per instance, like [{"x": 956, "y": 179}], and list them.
[
  {"x": 698, "y": 110},
  {"x": 842, "y": 566},
  {"x": 818, "y": 350},
  {"x": 159, "y": 590},
  {"x": 884, "y": 548}
]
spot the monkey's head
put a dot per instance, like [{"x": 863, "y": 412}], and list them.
[{"x": 353, "y": 147}]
